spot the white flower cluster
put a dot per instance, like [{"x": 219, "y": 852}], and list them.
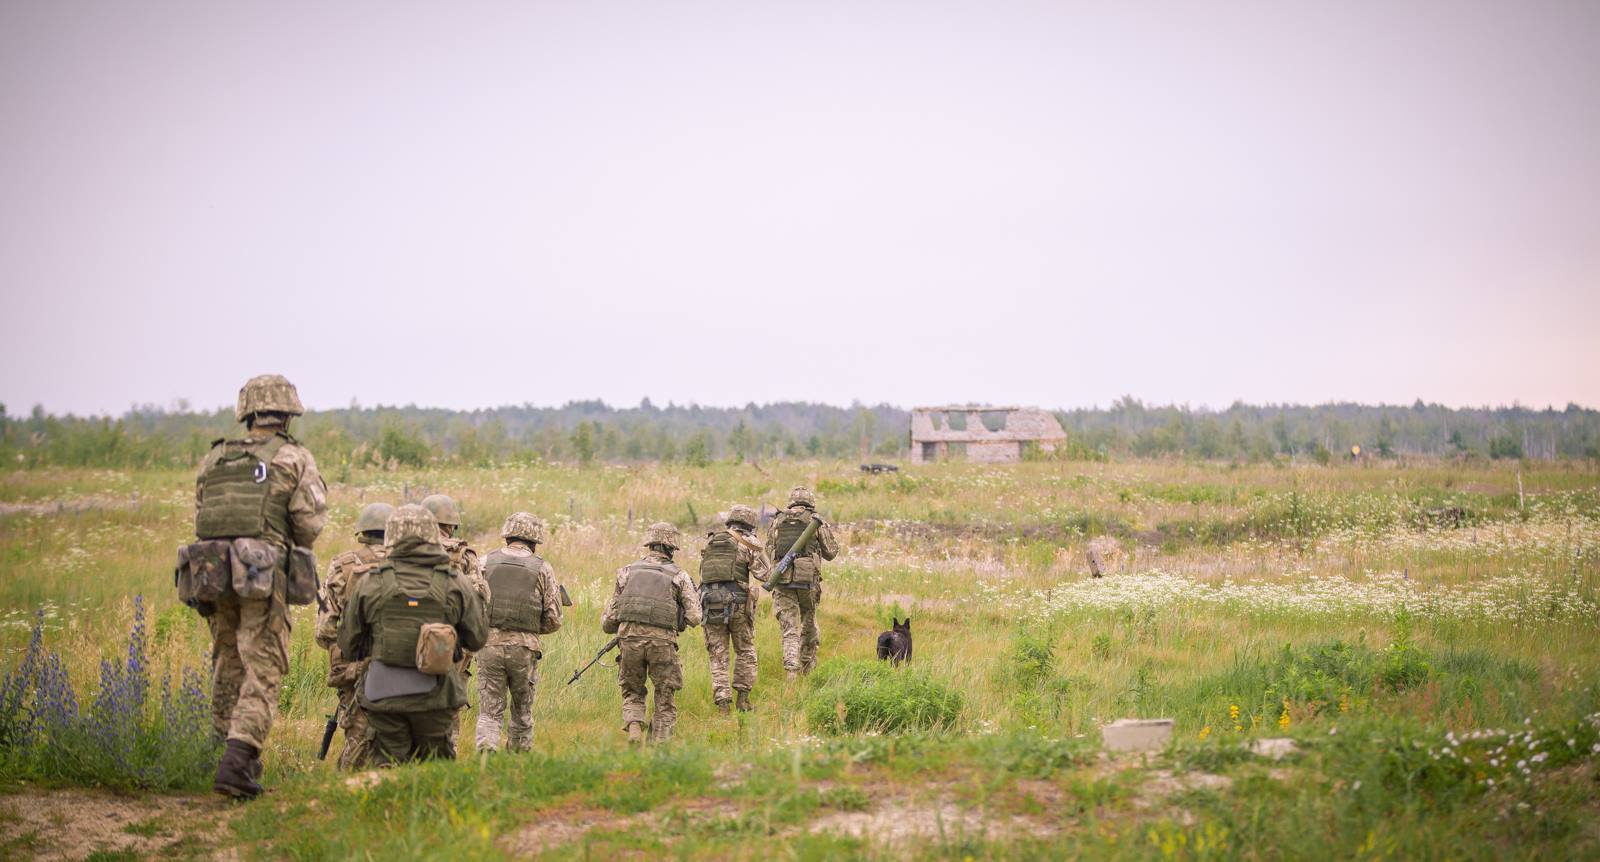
[{"x": 1515, "y": 598}]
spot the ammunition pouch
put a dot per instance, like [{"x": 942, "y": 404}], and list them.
[
  {"x": 255, "y": 568},
  {"x": 303, "y": 586},
  {"x": 204, "y": 574},
  {"x": 721, "y": 597}
]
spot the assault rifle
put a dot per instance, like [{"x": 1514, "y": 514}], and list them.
[
  {"x": 327, "y": 735},
  {"x": 800, "y": 546},
  {"x": 610, "y": 645}
]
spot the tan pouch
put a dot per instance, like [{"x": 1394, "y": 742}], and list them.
[
  {"x": 210, "y": 571},
  {"x": 255, "y": 566},
  {"x": 302, "y": 587},
  {"x": 436, "y": 648}
]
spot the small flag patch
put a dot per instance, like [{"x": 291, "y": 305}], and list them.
[{"x": 411, "y": 603}]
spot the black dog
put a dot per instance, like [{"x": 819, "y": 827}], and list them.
[{"x": 895, "y": 646}]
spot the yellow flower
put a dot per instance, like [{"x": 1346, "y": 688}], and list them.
[
  {"x": 1205, "y": 731},
  {"x": 1233, "y": 712}
]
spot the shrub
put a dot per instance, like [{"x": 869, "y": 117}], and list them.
[
  {"x": 855, "y": 696},
  {"x": 123, "y": 738}
]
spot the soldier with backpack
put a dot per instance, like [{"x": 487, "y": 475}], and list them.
[
  {"x": 344, "y": 573},
  {"x": 464, "y": 562},
  {"x": 412, "y": 618},
  {"x": 797, "y": 591},
  {"x": 524, "y": 603},
  {"x": 653, "y": 601},
  {"x": 259, "y": 505},
  {"x": 732, "y": 556}
]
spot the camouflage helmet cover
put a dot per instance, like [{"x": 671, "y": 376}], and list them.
[
  {"x": 739, "y": 513},
  {"x": 373, "y": 516},
  {"x": 410, "y": 521},
  {"x": 524, "y": 526},
  {"x": 267, "y": 393},
  {"x": 443, "y": 508},
  {"x": 802, "y": 496},
  {"x": 661, "y": 533}
]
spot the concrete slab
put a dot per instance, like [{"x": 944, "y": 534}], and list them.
[{"x": 1137, "y": 734}]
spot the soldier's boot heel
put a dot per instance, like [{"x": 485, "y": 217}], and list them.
[
  {"x": 744, "y": 702},
  {"x": 635, "y": 733},
  {"x": 234, "y": 772},
  {"x": 723, "y": 707}
]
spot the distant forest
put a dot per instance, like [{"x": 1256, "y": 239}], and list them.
[{"x": 583, "y": 431}]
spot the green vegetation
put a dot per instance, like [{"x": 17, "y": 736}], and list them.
[{"x": 1427, "y": 636}]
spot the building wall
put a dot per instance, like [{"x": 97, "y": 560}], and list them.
[{"x": 1001, "y": 452}]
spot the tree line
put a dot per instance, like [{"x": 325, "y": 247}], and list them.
[{"x": 584, "y": 431}]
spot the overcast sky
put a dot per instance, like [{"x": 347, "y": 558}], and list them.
[{"x": 474, "y": 204}]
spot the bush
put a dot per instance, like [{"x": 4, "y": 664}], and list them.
[
  {"x": 123, "y": 739},
  {"x": 855, "y": 696}
]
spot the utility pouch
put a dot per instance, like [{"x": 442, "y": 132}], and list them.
[
  {"x": 209, "y": 571},
  {"x": 302, "y": 587},
  {"x": 255, "y": 565},
  {"x": 436, "y": 648},
  {"x": 182, "y": 581},
  {"x": 802, "y": 573},
  {"x": 384, "y": 681}
]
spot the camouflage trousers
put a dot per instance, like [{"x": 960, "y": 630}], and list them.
[
  {"x": 739, "y": 631},
  {"x": 357, "y": 751},
  {"x": 249, "y": 656},
  {"x": 455, "y": 723},
  {"x": 797, "y": 625},
  {"x": 656, "y": 660},
  {"x": 401, "y": 737},
  {"x": 506, "y": 672}
]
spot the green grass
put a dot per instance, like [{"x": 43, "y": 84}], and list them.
[{"x": 987, "y": 745}]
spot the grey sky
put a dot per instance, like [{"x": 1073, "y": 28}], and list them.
[{"x": 1047, "y": 203}]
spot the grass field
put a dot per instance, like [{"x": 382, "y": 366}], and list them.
[{"x": 1426, "y": 633}]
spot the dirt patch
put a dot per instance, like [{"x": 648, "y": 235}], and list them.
[
  {"x": 70, "y": 507},
  {"x": 559, "y": 826},
  {"x": 73, "y": 824}
]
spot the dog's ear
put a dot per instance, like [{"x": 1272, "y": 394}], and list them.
[
  {"x": 908, "y": 624},
  {"x": 894, "y": 622}
]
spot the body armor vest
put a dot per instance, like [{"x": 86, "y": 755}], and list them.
[
  {"x": 401, "y": 615},
  {"x": 648, "y": 597},
  {"x": 804, "y": 569},
  {"x": 721, "y": 561},
  {"x": 515, "y": 602},
  {"x": 235, "y": 491}
]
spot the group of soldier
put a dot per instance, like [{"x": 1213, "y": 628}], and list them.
[{"x": 413, "y": 608}]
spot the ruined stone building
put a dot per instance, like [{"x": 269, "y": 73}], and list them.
[{"x": 985, "y": 434}]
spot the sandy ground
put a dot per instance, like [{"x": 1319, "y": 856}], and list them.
[{"x": 66, "y": 825}]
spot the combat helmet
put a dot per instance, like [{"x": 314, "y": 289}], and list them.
[
  {"x": 443, "y": 508},
  {"x": 739, "y": 513},
  {"x": 373, "y": 516},
  {"x": 267, "y": 393},
  {"x": 524, "y": 526},
  {"x": 410, "y": 521},
  {"x": 802, "y": 496},
  {"x": 661, "y": 533}
]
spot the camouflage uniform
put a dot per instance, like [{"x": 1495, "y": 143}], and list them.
[
  {"x": 464, "y": 562},
  {"x": 649, "y": 651},
  {"x": 737, "y": 624},
  {"x": 509, "y": 664},
  {"x": 344, "y": 573},
  {"x": 796, "y": 606},
  {"x": 250, "y": 637},
  {"x": 411, "y": 726}
]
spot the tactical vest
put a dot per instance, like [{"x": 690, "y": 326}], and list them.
[
  {"x": 356, "y": 564},
  {"x": 400, "y": 615},
  {"x": 234, "y": 493},
  {"x": 721, "y": 561},
  {"x": 515, "y": 603},
  {"x": 648, "y": 597},
  {"x": 804, "y": 568}
]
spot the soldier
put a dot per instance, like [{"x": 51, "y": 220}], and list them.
[
  {"x": 405, "y": 607},
  {"x": 796, "y": 595},
  {"x": 344, "y": 573},
  {"x": 653, "y": 601},
  {"x": 731, "y": 557},
  {"x": 464, "y": 562},
  {"x": 524, "y": 603},
  {"x": 263, "y": 493}
]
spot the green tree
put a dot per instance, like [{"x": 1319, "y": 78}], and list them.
[
  {"x": 583, "y": 442},
  {"x": 698, "y": 451}
]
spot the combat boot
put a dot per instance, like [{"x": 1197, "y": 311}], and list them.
[
  {"x": 722, "y": 707},
  {"x": 234, "y": 776},
  {"x": 635, "y": 733},
  {"x": 744, "y": 701}
]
